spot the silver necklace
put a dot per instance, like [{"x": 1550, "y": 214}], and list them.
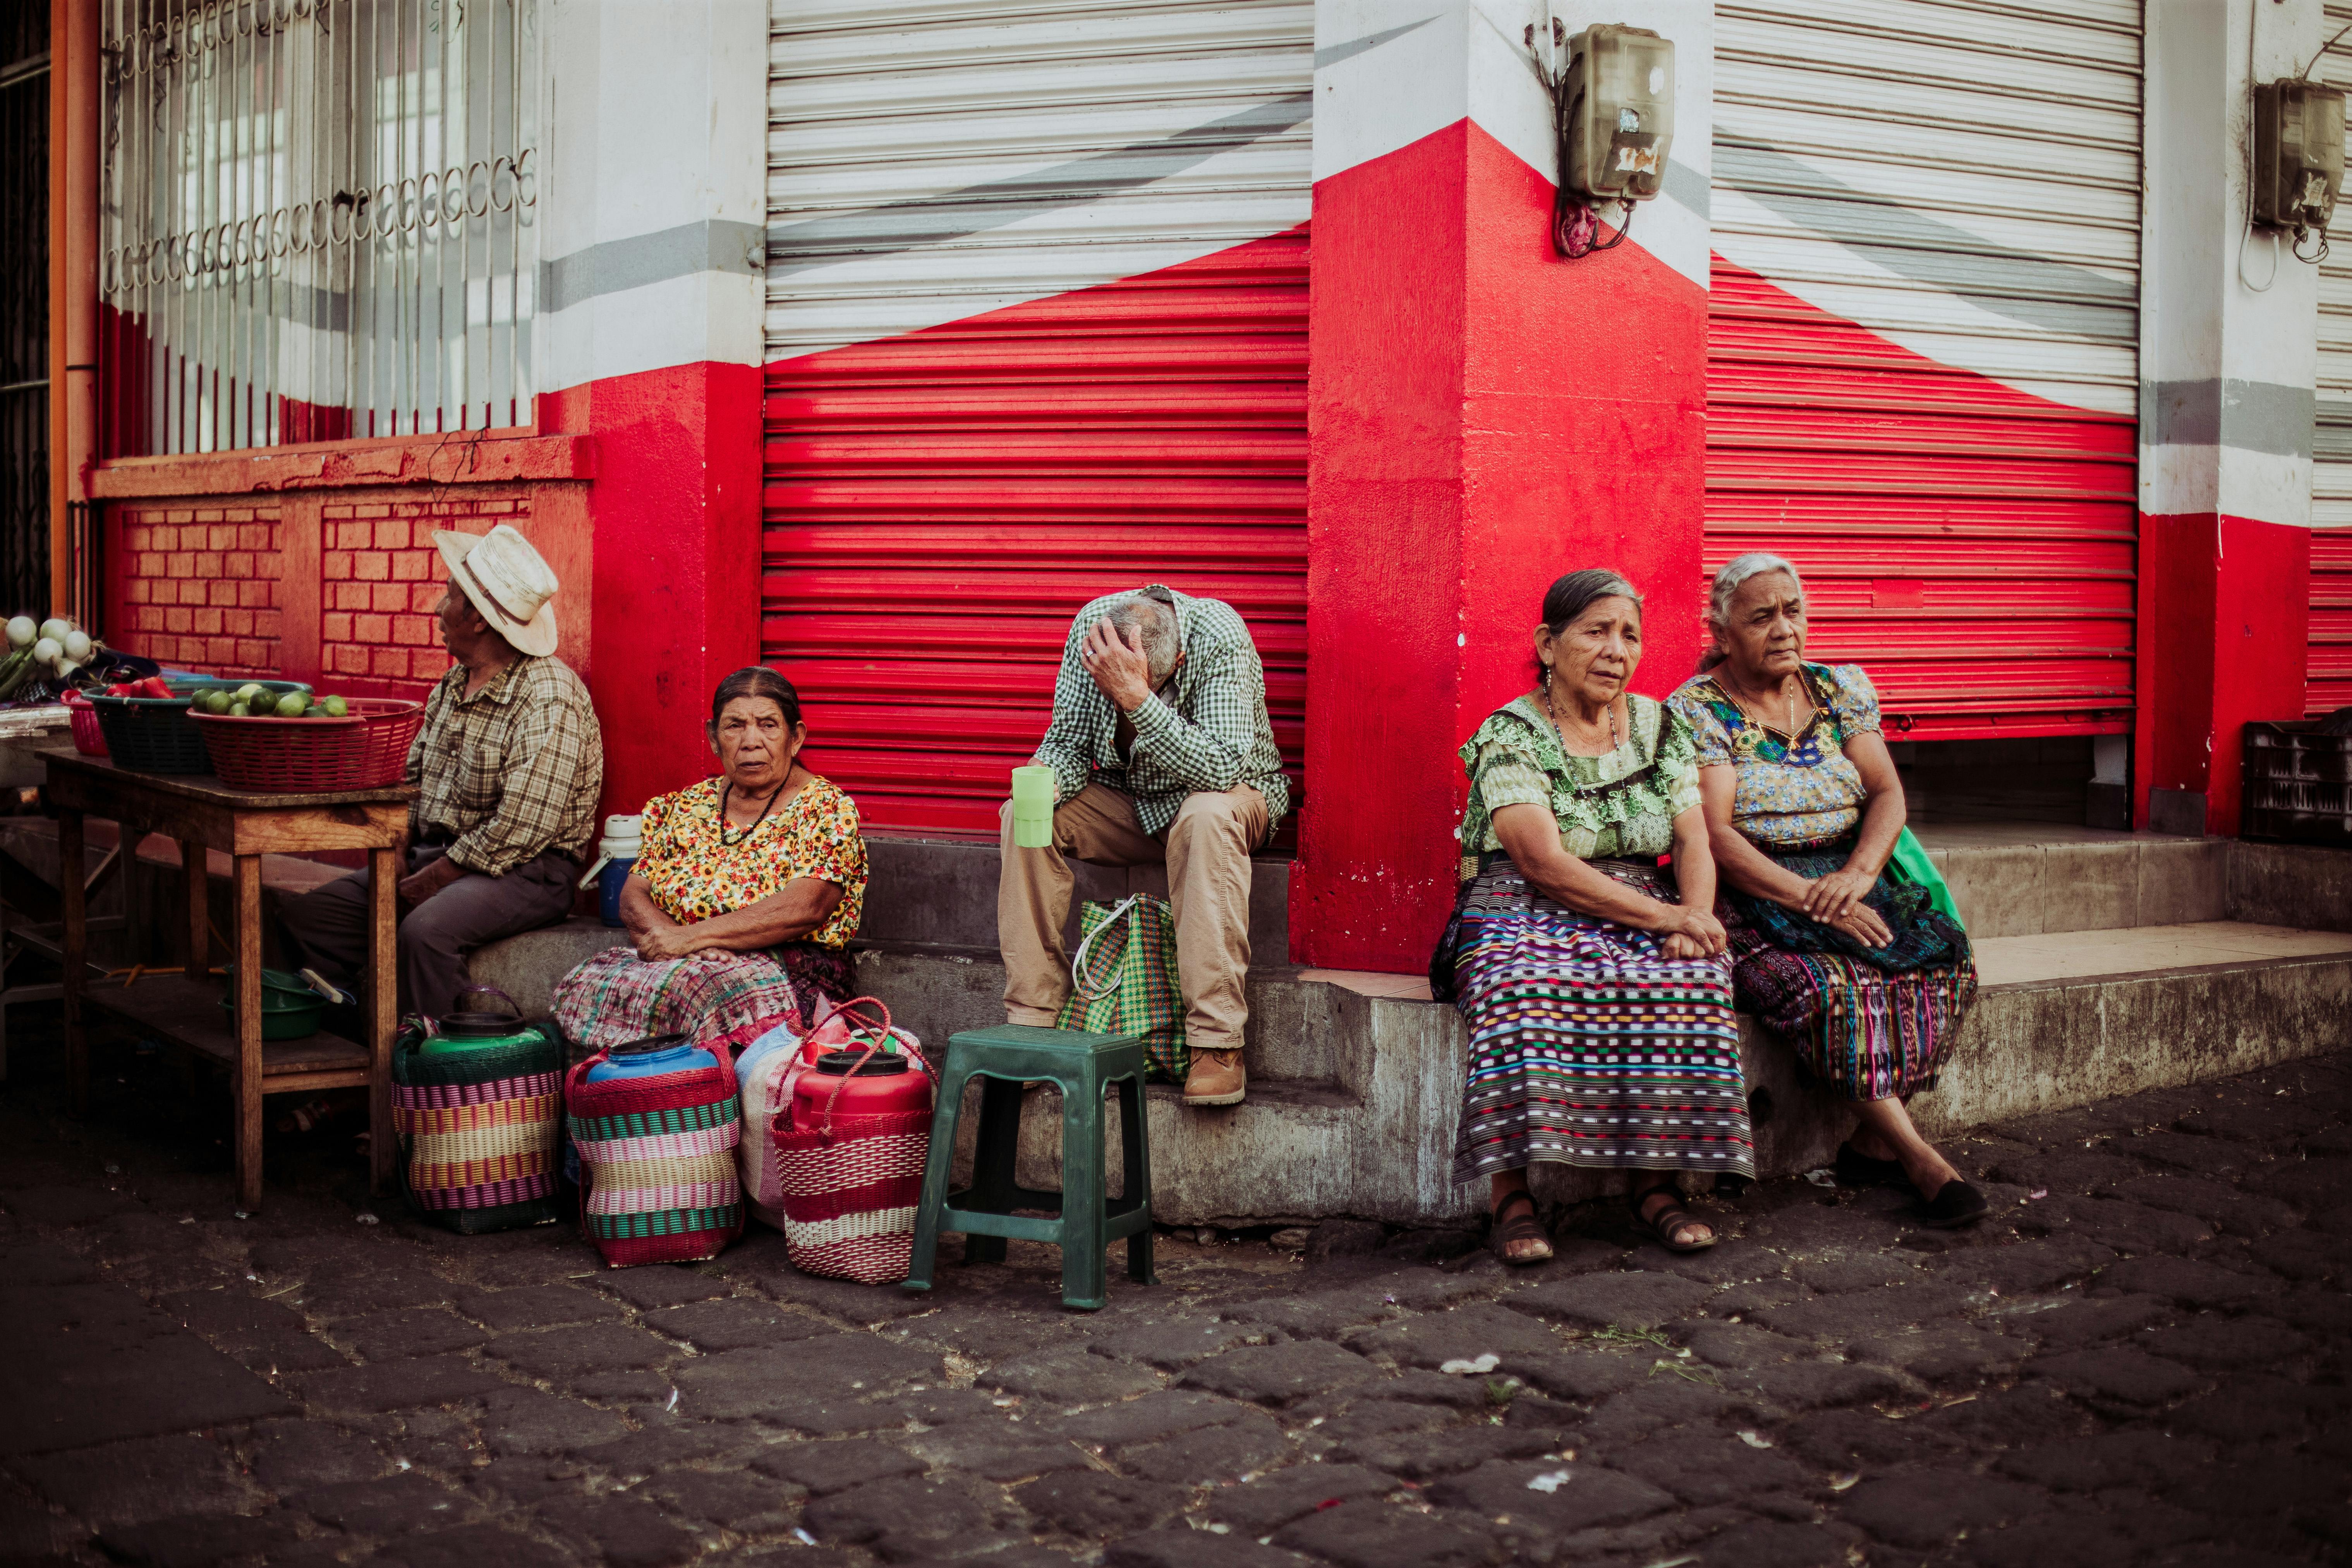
[{"x": 1731, "y": 690}]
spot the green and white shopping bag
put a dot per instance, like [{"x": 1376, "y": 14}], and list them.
[{"x": 1123, "y": 981}]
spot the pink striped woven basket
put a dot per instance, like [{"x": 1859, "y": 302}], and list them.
[{"x": 657, "y": 1177}]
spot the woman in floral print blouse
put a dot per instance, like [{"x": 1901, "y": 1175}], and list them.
[{"x": 743, "y": 898}]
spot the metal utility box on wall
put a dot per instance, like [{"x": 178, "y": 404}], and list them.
[
  {"x": 1620, "y": 91},
  {"x": 2298, "y": 154}
]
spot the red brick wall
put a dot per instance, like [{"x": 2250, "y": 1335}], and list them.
[
  {"x": 200, "y": 587},
  {"x": 380, "y": 578}
]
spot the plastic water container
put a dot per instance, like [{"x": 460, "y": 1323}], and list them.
[
  {"x": 617, "y": 856},
  {"x": 652, "y": 1058}
]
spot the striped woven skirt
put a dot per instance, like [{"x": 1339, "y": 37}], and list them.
[
  {"x": 1588, "y": 1046},
  {"x": 1866, "y": 1022},
  {"x": 720, "y": 997}
]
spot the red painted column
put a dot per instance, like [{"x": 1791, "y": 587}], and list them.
[{"x": 1483, "y": 416}]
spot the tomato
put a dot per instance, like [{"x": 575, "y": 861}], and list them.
[
  {"x": 155, "y": 686},
  {"x": 120, "y": 690}
]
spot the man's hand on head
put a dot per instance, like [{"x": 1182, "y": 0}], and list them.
[{"x": 1116, "y": 662}]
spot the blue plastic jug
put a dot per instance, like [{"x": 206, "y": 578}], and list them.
[
  {"x": 608, "y": 888},
  {"x": 652, "y": 1058}
]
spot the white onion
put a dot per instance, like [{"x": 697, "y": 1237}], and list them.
[
  {"x": 48, "y": 650},
  {"x": 55, "y": 627},
  {"x": 78, "y": 645},
  {"x": 22, "y": 631}
]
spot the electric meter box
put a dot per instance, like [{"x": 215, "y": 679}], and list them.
[
  {"x": 2298, "y": 154},
  {"x": 1621, "y": 93}
]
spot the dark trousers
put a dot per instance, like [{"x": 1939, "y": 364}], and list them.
[{"x": 328, "y": 928}]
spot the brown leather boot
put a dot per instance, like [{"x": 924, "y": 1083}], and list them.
[{"x": 1217, "y": 1078}]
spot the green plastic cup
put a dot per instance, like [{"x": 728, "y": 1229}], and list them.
[{"x": 1033, "y": 806}]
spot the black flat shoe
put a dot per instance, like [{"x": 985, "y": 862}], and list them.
[
  {"x": 1856, "y": 1169},
  {"x": 1956, "y": 1204}
]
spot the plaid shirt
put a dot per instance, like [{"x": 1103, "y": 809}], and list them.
[
  {"x": 513, "y": 771},
  {"x": 1207, "y": 732}
]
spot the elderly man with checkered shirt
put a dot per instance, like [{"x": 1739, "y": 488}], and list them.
[{"x": 1163, "y": 754}]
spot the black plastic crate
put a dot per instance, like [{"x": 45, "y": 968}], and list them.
[{"x": 2298, "y": 783}]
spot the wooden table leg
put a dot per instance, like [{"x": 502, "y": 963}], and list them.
[
  {"x": 196, "y": 952},
  {"x": 75, "y": 912},
  {"x": 248, "y": 1031},
  {"x": 384, "y": 1009}
]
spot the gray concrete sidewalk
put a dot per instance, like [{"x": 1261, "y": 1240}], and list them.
[{"x": 2140, "y": 1360}]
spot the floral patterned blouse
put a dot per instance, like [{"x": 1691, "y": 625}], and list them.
[
  {"x": 693, "y": 875},
  {"x": 1623, "y": 803},
  {"x": 1804, "y": 791}
]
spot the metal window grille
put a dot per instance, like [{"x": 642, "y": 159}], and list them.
[
  {"x": 319, "y": 220},
  {"x": 25, "y": 308}
]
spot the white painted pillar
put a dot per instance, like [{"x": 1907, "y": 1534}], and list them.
[{"x": 2227, "y": 357}]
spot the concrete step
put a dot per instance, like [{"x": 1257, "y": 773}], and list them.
[{"x": 2024, "y": 879}]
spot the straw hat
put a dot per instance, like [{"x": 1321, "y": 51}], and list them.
[{"x": 507, "y": 581}]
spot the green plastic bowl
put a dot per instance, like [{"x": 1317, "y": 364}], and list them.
[{"x": 289, "y": 1008}]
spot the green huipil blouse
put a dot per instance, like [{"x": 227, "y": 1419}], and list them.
[{"x": 1620, "y": 804}]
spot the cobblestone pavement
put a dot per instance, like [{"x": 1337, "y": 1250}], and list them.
[{"x": 2141, "y": 1359}]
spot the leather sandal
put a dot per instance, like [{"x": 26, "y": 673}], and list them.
[
  {"x": 1956, "y": 1204},
  {"x": 1670, "y": 1219},
  {"x": 1517, "y": 1227}
]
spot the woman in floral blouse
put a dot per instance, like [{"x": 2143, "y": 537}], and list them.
[
  {"x": 1853, "y": 966},
  {"x": 1593, "y": 980},
  {"x": 743, "y": 898}
]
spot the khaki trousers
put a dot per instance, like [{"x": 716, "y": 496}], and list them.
[{"x": 1208, "y": 859}]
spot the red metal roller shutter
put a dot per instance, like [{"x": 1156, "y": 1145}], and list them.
[
  {"x": 2329, "y": 666},
  {"x": 1972, "y": 545},
  {"x": 1923, "y": 370},
  {"x": 939, "y": 503}
]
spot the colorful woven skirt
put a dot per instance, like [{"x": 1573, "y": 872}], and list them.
[
  {"x": 1867, "y": 1022},
  {"x": 477, "y": 1131},
  {"x": 659, "y": 1182},
  {"x": 719, "y": 998},
  {"x": 1588, "y": 1046}
]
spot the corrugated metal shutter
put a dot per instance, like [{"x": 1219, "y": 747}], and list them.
[
  {"x": 2328, "y": 669},
  {"x": 1923, "y": 367},
  {"x": 1037, "y": 326}
]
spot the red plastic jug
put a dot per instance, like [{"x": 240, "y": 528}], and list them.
[{"x": 859, "y": 1083}]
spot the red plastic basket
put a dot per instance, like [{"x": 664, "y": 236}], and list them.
[
  {"x": 368, "y": 749},
  {"x": 88, "y": 738}
]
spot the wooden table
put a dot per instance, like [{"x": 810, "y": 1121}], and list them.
[{"x": 183, "y": 1010}]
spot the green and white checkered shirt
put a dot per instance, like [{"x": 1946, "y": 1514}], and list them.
[{"x": 1206, "y": 733}]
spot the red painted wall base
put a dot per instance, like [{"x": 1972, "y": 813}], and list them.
[
  {"x": 2224, "y": 608},
  {"x": 674, "y": 518},
  {"x": 1483, "y": 418}
]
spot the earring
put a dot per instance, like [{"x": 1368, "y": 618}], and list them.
[{"x": 1546, "y": 677}]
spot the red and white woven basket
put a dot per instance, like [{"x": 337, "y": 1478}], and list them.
[{"x": 849, "y": 1199}]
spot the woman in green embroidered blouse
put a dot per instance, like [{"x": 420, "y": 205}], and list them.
[{"x": 1597, "y": 993}]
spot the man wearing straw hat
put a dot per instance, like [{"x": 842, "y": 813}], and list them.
[
  {"x": 1161, "y": 753},
  {"x": 508, "y": 768}
]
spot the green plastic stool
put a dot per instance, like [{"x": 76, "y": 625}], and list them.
[{"x": 1087, "y": 1219}]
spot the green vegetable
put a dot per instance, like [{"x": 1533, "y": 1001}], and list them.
[
  {"x": 240, "y": 711},
  {"x": 250, "y": 691},
  {"x": 217, "y": 700},
  {"x": 335, "y": 708},
  {"x": 14, "y": 670},
  {"x": 291, "y": 706}
]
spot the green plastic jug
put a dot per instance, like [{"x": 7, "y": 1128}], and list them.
[{"x": 476, "y": 1029}]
